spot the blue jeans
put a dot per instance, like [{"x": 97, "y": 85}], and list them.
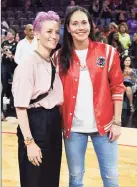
[{"x": 107, "y": 154}]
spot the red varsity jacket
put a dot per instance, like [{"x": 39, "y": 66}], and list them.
[{"x": 104, "y": 67}]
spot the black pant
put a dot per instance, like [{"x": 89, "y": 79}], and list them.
[
  {"x": 7, "y": 70},
  {"x": 45, "y": 125}
]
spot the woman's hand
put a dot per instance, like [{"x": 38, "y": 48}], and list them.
[
  {"x": 131, "y": 73},
  {"x": 128, "y": 73},
  {"x": 115, "y": 132},
  {"x": 125, "y": 73},
  {"x": 34, "y": 154}
]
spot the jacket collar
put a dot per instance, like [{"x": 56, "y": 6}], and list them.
[{"x": 90, "y": 47}]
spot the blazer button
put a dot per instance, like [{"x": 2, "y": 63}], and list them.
[
  {"x": 76, "y": 80},
  {"x": 73, "y": 97},
  {"x": 70, "y": 114}
]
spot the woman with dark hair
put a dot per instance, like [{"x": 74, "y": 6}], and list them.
[
  {"x": 100, "y": 37},
  {"x": 106, "y": 13},
  {"x": 121, "y": 18},
  {"x": 93, "y": 93},
  {"x": 17, "y": 37},
  {"x": 95, "y": 10},
  {"x": 71, "y": 5},
  {"x": 114, "y": 41},
  {"x": 129, "y": 79}
]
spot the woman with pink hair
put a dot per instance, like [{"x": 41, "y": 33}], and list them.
[{"x": 38, "y": 92}]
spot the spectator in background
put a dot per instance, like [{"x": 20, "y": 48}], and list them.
[
  {"x": 61, "y": 32},
  {"x": 94, "y": 10},
  {"x": 8, "y": 64},
  {"x": 115, "y": 8},
  {"x": 71, "y": 5},
  {"x": 119, "y": 6},
  {"x": 135, "y": 6},
  {"x": 4, "y": 5},
  {"x": 25, "y": 46},
  {"x": 4, "y": 28},
  {"x": 121, "y": 18},
  {"x": 106, "y": 31},
  {"x": 114, "y": 41},
  {"x": 133, "y": 50},
  {"x": 17, "y": 37},
  {"x": 27, "y": 4},
  {"x": 124, "y": 37},
  {"x": 131, "y": 9},
  {"x": 132, "y": 23},
  {"x": 113, "y": 27},
  {"x": 129, "y": 79},
  {"x": 105, "y": 14},
  {"x": 120, "y": 11},
  {"x": 100, "y": 37},
  {"x": 5, "y": 25}
]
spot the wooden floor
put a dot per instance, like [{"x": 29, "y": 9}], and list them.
[{"x": 10, "y": 174}]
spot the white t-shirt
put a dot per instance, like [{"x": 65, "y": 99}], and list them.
[
  {"x": 84, "y": 117},
  {"x": 24, "y": 48}
]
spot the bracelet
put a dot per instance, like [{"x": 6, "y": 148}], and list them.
[
  {"x": 28, "y": 140},
  {"x": 117, "y": 123}
]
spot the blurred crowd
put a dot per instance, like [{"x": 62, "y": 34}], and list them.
[{"x": 115, "y": 23}]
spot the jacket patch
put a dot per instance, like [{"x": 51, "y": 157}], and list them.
[{"x": 101, "y": 62}]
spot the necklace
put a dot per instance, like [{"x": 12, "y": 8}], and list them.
[
  {"x": 45, "y": 59},
  {"x": 82, "y": 56},
  {"x": 83, "y": 68},
  {"x": 49, "y": 71},
  {"x": 48, "y": 59}
]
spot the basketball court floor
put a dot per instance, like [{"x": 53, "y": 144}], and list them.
[{"x": 127, "y": 160}]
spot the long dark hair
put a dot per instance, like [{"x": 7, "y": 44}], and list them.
[
  {"x": 123, "y": 60},
  {"x": 111, "y": 39},
  {"x": 67, "y": 47}
]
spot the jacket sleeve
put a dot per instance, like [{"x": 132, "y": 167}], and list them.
[{"x": 115, "y": 76}]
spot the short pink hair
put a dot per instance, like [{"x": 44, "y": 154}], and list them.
[{"x": 44, "y": 16}]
